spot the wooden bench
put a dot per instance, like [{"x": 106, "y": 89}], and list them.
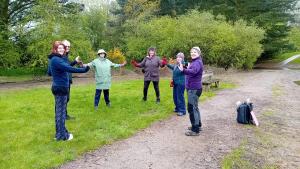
[{"x": 209, "y": 83}]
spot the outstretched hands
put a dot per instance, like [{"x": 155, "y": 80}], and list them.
[
  {"x": 79, "y": 61},
  {"x": 164, "y": 62},
  {"x": 134, "y": 63},
  {"x": 124, "y": 63}
]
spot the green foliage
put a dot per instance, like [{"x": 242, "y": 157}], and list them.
[
  {"x": 20, "y": 71},
  {"x": 283, "y": 56},
  {"x": 9, "y": 55},
  {"x": 271, "y": 15},
  {"x": 294, "y": 37},
  {"x": 94, "y": 24},
  {"x": 222, "y": 44},
  {"x": 52, "y": 25}
]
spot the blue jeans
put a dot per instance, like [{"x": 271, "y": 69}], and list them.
[
  {"x": 98, "y": 95},
  {"x": 195, "y": 118},
  {"x": 178, "y": 98}
]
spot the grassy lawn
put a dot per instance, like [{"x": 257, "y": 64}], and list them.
[
  {"x": 27, "y": 122},
  {"x": 285, "y": 56}
]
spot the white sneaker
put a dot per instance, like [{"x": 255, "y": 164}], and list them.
[{"x": 70, "y": 137}]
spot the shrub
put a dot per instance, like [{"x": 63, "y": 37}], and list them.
[
  {"x": 222, "y": 44},
  {"x": 116, "y": 56}
]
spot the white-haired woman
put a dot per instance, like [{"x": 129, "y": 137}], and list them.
[
  {"x": 178, "y": 85},
  {"x": 193, "y": 84}
]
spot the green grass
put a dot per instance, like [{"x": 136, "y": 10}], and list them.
[
  {"x": 297, "y": 82},
  {"x": 235, "y": 158},
  {"x": 285, "y": 56},
  {"x": 27, "y": 122}
]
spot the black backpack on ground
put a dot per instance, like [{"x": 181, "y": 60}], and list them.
[{"x": 243, "y": 113}]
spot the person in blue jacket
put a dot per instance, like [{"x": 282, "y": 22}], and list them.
[
  {"x": 59, "y": 69},
  {"x": 178, "y": 85}
]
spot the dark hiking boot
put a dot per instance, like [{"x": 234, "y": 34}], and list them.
[{"x": 191, "y": 133}]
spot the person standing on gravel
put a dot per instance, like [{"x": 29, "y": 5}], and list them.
[
  {"x": 151, "y": 64},
  {"x": 193, "y": 84}
]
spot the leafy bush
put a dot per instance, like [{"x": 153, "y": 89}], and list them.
[
  {"x": 294, "y": 37},
  {"x": 116, "y": 56},
  {"x": 9, "y": 55},
  {"x": 222, "y": 44}
]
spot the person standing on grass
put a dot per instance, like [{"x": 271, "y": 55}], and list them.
[
  {"x": 193, "y": 84},
  {"x": 60, "y": 68},
  {"x": 102, "y": 67},
  {"x": 178, "y": 85},
  {"x": 151, "y": 64},
  {"x": 73, "y": 63}
]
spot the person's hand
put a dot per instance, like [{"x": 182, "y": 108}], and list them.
[
  {"x": 134, "y": 63},
  {"x": 80, "y": 64},
  {"x": 180, "y": 66},
  {"x": 77, "y": 59},
  {"x": 124, "y": 63},
  {"x": 164, "y": 61}
]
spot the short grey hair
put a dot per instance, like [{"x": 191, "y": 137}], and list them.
[
  {"x": 181, "y": 55},
  {"x": 197, "y": 49}
]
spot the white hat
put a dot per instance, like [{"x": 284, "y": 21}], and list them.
[{"x": 101, "y": 51}]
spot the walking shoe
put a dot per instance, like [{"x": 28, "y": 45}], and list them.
[
  {"x": 180, "y": 114},
  {"x": 190, "y": 128},
  {"x": 191, "y": 133},
  {"x": 157, "y": 100},
  {"x": 70, "y": 118},
  {"x": 108, "y": 104},
  {"x": 96, "y": 108},
  {"x": 144, "y": 99},
  {"x": 70, "y": 137}
]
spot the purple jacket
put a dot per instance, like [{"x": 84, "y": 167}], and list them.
[{"x": 193, "y": 78}]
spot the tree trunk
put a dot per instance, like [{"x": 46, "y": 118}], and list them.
[{"x": 4, "y": 18}]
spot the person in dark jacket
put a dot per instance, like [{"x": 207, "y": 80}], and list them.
[
  {"x": 73, "y": 63},
  {"x": 59, "y": 69},
  {"x": 193, "y": 84},
  {"x": 151, "y": 64},
  {"x": 178, "y": 85}
]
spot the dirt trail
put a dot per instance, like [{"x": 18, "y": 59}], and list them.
[{"x": 164, "y": 145}]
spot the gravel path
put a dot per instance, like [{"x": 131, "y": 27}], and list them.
[{"x": 164, "y": 145}]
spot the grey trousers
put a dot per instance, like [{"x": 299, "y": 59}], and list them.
[{"x": 195, "y": 118}]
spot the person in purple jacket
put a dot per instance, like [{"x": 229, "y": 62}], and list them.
[{"x": 193, "y": 84}]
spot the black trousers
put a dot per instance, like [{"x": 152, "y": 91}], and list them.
[
  {"x": 156, "y": 88},
  {"x": 98, "y": 94}
]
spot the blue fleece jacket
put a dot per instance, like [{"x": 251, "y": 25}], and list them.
[
  {"x": 178, "y": 76},
  {"x": 60, "y": 69}
]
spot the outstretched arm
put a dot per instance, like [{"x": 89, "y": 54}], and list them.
[{"x": 68, "y": 68}]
